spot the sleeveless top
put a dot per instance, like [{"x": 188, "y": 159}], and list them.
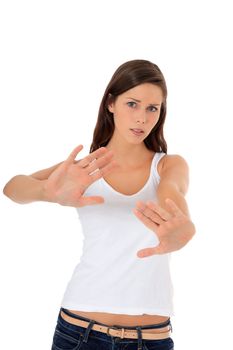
[{"x": 110, "y": 277}]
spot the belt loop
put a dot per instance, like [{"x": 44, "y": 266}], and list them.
[
  {"x": 122, "y": 333},
  {"x": 139, "y": 331},
  {"x": 88, "y": 331}
]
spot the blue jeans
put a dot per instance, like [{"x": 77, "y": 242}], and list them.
[{"x": 68, "y": 336}]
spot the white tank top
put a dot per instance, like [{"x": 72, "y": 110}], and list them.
[{"x": 110, "y": 277}]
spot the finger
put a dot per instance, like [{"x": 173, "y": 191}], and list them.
[
  {"x": 113, "y": 165},
  {"x": 174, "y": 208},
  {"x": 92, "y": 200},
  {"x": 143, "y": 253},
  {"x": 145, "y": 210},
  {"x": 159, "y": 210},
  {"x": 140, "y": 205},
  {"x": 74, "y": 153},
  {"x": 161, "y": 249},
  {"x": 145, "y": 220},
  {"x": 99, "y": 163},
  {"x": 98, "y": 173},
  {"x": 158, "y": 250},
  {"x": 100, "y": 152}
]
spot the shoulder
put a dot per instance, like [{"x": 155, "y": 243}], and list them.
[
  {"x": 173, "y": 168},
  {"x": 172, "y": 161}
]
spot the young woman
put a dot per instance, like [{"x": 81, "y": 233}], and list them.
[{"x": 120, "y": 294}]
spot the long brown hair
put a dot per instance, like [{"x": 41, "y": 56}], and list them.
[{"x": 127, "y": 76}]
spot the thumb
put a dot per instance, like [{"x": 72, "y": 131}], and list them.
[
  {"x": 159, "y": 249},
  {"x": 150, "y": 251},
  {"x": 143, "y": 253},
  {"x": 90, "y": 200}
]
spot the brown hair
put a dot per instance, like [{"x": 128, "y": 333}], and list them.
[{"x": 127, "y": 76}]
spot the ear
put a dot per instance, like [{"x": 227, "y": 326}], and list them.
[
  {"x": 110, "y": 104},
  {"x": 110, "y": 108}
]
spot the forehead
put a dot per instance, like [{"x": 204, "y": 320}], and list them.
[{"x": 145, "y": 92}]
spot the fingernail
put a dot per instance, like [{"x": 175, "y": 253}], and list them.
[{"x": 140, "y": 254}]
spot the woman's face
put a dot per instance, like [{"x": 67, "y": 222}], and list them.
[{"x": 136, "y": 112}]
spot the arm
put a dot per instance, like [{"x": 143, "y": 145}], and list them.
[
  {"x": 65, "y": 182},
  {"x": 174, "y": 181},
  {"x": 24, "y": 189}
]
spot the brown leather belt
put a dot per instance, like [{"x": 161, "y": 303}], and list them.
[{"x": 161, "y": 333}]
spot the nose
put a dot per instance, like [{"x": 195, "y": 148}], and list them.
[{"x": 141, "y": 117}]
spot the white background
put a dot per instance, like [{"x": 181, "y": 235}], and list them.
[{"x": 56, "y": 59}]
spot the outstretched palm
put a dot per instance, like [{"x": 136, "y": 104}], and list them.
[
  {"x": 173, "y": 230},
  {"x": 67, "y": 184}
]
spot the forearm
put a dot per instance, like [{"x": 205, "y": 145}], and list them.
[
  {"x": 166, "y": 190},
  {"x": 24, "y": 189}
]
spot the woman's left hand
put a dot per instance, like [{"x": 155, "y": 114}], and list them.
[{"x": 173, "y": 230}]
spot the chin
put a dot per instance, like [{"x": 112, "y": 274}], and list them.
[{"x": 136, "y": 142}]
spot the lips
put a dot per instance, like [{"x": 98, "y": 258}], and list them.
[{"x": 137, "y": 131}]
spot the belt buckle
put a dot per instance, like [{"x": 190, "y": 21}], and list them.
[{"x": 116, "y": 328}]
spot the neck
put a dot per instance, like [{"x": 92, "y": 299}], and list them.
[{"x": 127, "y": 152}]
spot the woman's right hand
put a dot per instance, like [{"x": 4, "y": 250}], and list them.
[{"x": 68, "y": 182}]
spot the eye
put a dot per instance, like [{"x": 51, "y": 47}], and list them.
[
  {"x": 131, "y": 104},
  {"x": 153, "y": 109}
]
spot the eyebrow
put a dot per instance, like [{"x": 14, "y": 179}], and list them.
[{"x": 151, "y": 104}]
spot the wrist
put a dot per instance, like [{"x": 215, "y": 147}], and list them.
[{"x": 43, "y": 192}]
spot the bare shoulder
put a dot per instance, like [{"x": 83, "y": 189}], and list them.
[
  {"x": 174, "y": 160},
  {"x": 173, "y": 168}
]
